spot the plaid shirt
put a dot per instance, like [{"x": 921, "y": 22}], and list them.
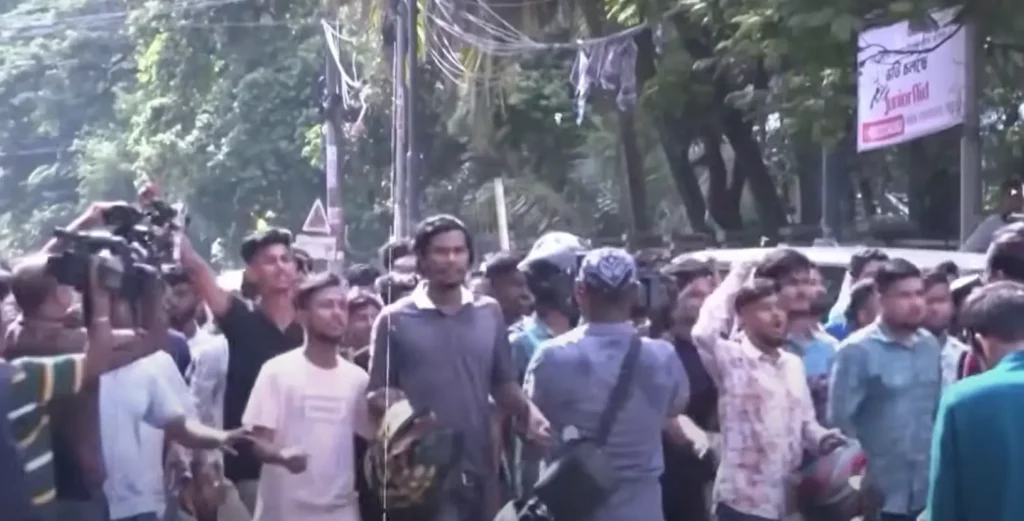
[{"x": 765, "y": 410}]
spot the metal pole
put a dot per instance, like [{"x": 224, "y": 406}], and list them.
[
  {"x": 330, "y": 140},
  {"x": 398, "y": 188},
  {"x": 970, "y": 142},
  {"x": 827, "y": 233},
  {"x": 412, "y": 160}
]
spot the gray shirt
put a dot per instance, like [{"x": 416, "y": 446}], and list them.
[
  {"x": 570, "y": 378},
  {"x": 885, "y": 394},
  {"x": 448, "y": 364}
]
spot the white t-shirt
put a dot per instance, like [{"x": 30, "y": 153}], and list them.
[
  {"x": 318, "y": 410},
  {"x": 136, "y": 402}
]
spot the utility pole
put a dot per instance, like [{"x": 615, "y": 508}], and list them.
[
  {"x": 412, "y": 160},
  {"x": 970, "y": 140},
  {"x": 399, "y": 183},
  {"x": 330, "y": 139}
]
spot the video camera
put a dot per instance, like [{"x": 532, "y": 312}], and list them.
[{"x": 138, "y": 243}]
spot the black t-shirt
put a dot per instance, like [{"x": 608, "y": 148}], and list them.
[{"x": 253, "y": 338}]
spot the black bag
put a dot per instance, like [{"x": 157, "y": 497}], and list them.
[{"x": 573, "y": 487}]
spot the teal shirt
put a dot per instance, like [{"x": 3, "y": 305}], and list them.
[{"x": 978, "y": 447}]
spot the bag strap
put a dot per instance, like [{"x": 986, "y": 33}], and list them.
[{"x": 620, "y": 391}]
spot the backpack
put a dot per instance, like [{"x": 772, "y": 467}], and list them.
[{"x": 14, "y": 494}]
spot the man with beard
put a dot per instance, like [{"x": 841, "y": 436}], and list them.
[
  {"x": 256, "y": 331},
  {"x": 508, "y": 285},
  {"x": 305, "y": 409},
  {"x": 938, "y": 316},
  {"x": 764, "y": 406},
  {"x": 793, "y": 275},
  {"x": 884, "y": 392},
  {"x": 447, "y": 352}
]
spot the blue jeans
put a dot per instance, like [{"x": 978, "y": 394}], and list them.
[{"x": 726, "y": 513}]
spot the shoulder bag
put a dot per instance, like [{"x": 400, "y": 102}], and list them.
[{"x": 575, "y": 485}]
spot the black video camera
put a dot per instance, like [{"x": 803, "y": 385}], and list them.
[{"x": 137, "y": 245}]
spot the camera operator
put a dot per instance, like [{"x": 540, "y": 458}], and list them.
[
  {"x": 255, "y": 333},
  {"x": 43, "y": 330},
  {"x": 37, "y": 381}
]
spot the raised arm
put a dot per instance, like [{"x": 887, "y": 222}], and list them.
[
  {"x": 714, "y": 322},
  {"x": 204, "y": 279}
]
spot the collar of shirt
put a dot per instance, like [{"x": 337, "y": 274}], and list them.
[
  {"x": 1012, "y": 361},
  {"x": 422, "y": 300},
  {"x": 878, "y": 331},
  {"x": 536, "y": 327},
  {"x": 752, "y": 351},
  {"x": 607, "y": 328}
]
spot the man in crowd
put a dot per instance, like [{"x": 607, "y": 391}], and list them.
[
  {"x": 508, "y": 285},
  {"x": 571, "y": 377},
  {"x": 76, "y": 462},
  {"x": 791, "y": 271},
  {"x": 863, "y": 266},
  {"x": 862, "y": 310},
  {"x": 305, "y": 408},
  {"x": 394, "y": 286},
  {"x": 975, "y": 471},
  {"x": 363, "y": 308},
  {"x": 255, "y": 333},
  {"x": 765, "y": 408},
  {"x": 938, "y": 317},
  {"x": 687, "y": 470},
  {"x": 204, "y": 491},
  {"x": 447, "y": 351},
  {"x": 887, "y": 376}
]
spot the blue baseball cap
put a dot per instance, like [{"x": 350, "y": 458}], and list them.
[{"x": 608, "y": 269}]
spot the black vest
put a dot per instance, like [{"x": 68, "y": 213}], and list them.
[{"x": 14, "y": 493}]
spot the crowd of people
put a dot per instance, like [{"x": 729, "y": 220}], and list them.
[{"x": 565, "y": 383}]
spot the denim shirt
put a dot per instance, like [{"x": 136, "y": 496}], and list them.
[
  {"x": 818, "y": 353},
  {"x": 885, "y": 394}
]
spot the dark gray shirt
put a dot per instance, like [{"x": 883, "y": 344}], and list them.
[
  {"x": 448, "y": 364},
  {"x": 570, "y": 378}
]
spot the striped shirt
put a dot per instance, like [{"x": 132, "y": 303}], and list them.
[{"x": 36, "y": 382}]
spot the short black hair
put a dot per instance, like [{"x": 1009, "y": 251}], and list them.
[
  {"x": 859, "y": 295},
  {"x": 393, "y": 285},
  {"x": 995, "y": 310},
  {"x": 502, "y": 264},
  {"x": 303, "y": 260},
  {"x": 949, "y": 268},
  {"x": 1006, "y": 253},
  {"x": 934, "y": 277},
  {"x": 862, "y": 258},
  {"x": 362, "y": 275},
  {"x": 361, "y": 297},
  {"x": 683, "y": 272},
  {"x": 314, "y": 284},
  {"x": 894, "y": 271},
  {"x": 781, "y": 263},
  {"x": 256, "y": 242},
  {"x": 393, "y": 250},
  {"x": 753, "y": 291},
  {"x": 436, "y": 225}
]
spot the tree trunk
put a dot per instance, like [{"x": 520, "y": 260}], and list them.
[
  {"x": 640, "y": 222},
  {"x": 676, "y": 137},
  {"x": 724, "y": 208},
  {"x": 740, "y": 134}
]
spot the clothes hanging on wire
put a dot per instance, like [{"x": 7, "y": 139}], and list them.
[{"x": 611, "y": 65}]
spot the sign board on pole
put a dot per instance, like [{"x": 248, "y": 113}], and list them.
[
  {"x": 316, "y": 221},
  {"x": 910, "y": 81},
  {"x": 321, "y": 247}
]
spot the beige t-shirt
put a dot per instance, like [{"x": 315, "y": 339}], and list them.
[{"x": 319, "y": 410}]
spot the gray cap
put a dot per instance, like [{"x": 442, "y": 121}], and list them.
[{"x": 608, "y": 269}]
